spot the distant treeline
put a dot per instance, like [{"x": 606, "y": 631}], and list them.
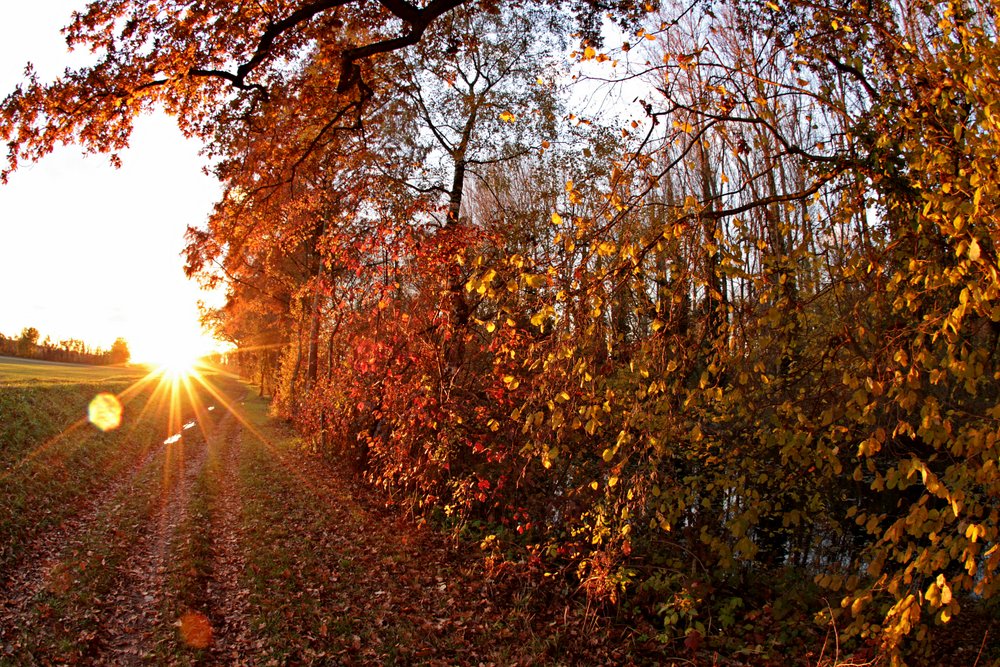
[{"x": 27, "y": 346}]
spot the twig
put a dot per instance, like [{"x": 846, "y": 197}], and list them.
[{"x": 981, "y": 646}]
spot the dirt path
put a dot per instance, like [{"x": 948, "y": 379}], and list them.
[
  {"x": 130, "y": 631},
  {"x": 228, "y": 598}
]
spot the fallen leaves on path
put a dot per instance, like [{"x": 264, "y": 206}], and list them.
[{"x": 236, "y": 548}]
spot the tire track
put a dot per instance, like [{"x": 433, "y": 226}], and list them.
[
  {"x": 131, "y": 632},
  {"x": 228, "y": 598}
]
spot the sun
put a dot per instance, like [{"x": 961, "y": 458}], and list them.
[
  {"x": 174, "y": 350},
  {"x": 178, "y": 364},
  {"x": 178, "y": 360}
]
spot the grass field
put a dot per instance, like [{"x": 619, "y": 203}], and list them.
[
  {"x": 14, "y": 371},
  {"x": 51, "y": 458}
]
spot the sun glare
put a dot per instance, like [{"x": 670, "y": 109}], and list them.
[
  {"x": 105, "y": 412},
  {"x": 178, "y": 366},
  {"x": 173, "y": 351},
  {"x": 178, "y": 362}
]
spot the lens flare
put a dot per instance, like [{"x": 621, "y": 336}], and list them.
[
  {"x": 195, "y": 629},
  {"x": 105, "y": 412}
]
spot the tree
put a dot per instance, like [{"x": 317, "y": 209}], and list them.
[
  {"x": 119, "y": 353},
  {"x": 212, "y": 64},
  {"x": 27, "y": 342}
]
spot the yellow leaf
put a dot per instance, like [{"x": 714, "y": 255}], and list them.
[
  {"x": 933, "y": 595},
  {"x": 535, "y": 280},
  {"x": 508, "y": 117},
  {"x": 491, "y": 327},
  {"x": 612, "y": 481},
  {"x": 974, "y": 250},
  {"x": 607, "y": 455},
  {"x": 556, "y": 219},
  {"x": 589, "y": 53},
  {"x": 594, "y": 485}
]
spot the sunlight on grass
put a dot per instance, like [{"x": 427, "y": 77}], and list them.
[{"x": 177, "y": 393}]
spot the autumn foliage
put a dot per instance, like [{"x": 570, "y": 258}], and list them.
[{"x": 704, "y": 318}]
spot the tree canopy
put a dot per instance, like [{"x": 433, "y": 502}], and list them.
[{"x": 688, "y": 317}]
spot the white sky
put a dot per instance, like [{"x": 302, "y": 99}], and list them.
[{"x": 88, "y": 251}]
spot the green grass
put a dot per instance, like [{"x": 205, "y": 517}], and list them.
[
  {"x": 50, "y": 468},
  {"x": 14, "y": 371}
]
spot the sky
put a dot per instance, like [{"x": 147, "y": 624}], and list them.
[{"x": 92, "y": 252}]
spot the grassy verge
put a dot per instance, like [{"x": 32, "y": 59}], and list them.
[
  {"x": 50, "y": 469},
  {"x": 65, "y": 619},
  {"x": 285, "y": 574}
]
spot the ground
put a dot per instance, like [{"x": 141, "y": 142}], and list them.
[{"x": 230, "y": 546}]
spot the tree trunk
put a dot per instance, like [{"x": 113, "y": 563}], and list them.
[{"x": 459, "y": 311}]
